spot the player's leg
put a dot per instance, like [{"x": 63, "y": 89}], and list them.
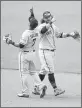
[
  {"x": 24, "y": 70},
  {"x": 49, "y": 59},
  {"x": 41, "y": 88},
  {"x": 25, "y": 86},
  {"x": 57, "y": 91},
  {"x": 42, "y": 72},
  {"x": 42, "y": 76},
  {"x": 46, "y": 59}
]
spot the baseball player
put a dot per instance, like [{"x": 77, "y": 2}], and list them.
[
  {"x": 47, "y": 50},
  {"x": 26, "y": 57}
]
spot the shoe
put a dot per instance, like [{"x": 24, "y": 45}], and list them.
[
  {"x": 58, "y": 91},
  {"x": 23, "y": 95},
  {"x": 36, "y": 91},
  {"x": 43, "y": 92}
]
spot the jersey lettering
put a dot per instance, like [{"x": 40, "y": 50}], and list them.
[
  {"x": 34, "y": 35},
  {"x": 48, "y": 32}
]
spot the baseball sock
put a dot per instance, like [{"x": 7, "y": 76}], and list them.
[
  {"x": 52, "y": 80},
  {"x": 41, "y": 77}
]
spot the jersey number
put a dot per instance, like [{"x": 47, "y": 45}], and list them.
[{"x": 34, "y": 40}]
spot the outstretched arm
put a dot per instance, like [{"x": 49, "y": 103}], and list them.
[
  {"x": 63, "y": 35},
  {"x": 8, "y": 40},
  {"x": 59, "y": 34},
  {"x": 74, "y": 35},
  {"x": 19, "y": 45}
]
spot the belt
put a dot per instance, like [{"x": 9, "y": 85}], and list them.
[
  {"x": 30, "y": 51},
  {"x": 49, "y": 49}
]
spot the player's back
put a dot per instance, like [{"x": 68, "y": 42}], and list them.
[{"x": 28, "y": 39}]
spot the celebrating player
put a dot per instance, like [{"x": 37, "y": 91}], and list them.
[
  {"x": 26, "y": 57},
  {"x": 47, "y": 50}
]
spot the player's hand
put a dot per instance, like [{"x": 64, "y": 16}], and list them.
[
  {"x": 52, "y": 20},
  {"x": 75, "y": 35},
  {"x": 31, "y": 10},
  {"x": 8, "y": 41}
]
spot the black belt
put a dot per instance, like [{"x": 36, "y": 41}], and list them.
[
  {"x": 49, "y": 49},
  {"x": 30, "y": 51}
]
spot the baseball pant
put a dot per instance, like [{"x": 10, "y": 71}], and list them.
[
  {"x": 47, "y": 61},
  {"x": 26, "y": 68}
]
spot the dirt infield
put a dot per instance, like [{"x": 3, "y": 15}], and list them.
[{"x": 11, "y": 85}]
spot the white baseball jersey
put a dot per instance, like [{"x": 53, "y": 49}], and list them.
[
  {"x": 28, "y": 39},
  {"x": 27, "y": 61},
  {"x": 47, "y": 48},
  {"x": 47, "y": 40}
]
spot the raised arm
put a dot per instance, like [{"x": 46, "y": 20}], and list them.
[
  {"x": 31, "y": 14},
  {"x": 31, "y": 11}
]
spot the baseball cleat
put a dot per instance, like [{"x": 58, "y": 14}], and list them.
[
  {"x": 58, "y": 91},
  {"x": 43, "y": 92},
  {"x": 36, "y": 93},
  {"x": 23, "y": 95}
]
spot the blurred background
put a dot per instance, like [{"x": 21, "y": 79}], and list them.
[{"x": 14, "y": 19}]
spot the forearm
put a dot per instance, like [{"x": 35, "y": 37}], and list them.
[
  {"x": 15, "y": 44},
  {"x": 45, "y": 28},
  {"x": 32, "y": 14},
  {"x": 31, "y": 11},
  {"x": 71, "y": 34},
  {"x": 64, "y": 35},
  {"x": 19, "y": 45}
]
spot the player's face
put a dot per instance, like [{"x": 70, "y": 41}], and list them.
[{"x": 47, "y": 20}]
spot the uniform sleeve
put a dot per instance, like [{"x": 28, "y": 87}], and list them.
[
  {"x": 59, "y": 34},
  {"x": 39, "y": 28},
  {"x": 56, "y": 31},
  {"x": 24, "y": 38}
]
